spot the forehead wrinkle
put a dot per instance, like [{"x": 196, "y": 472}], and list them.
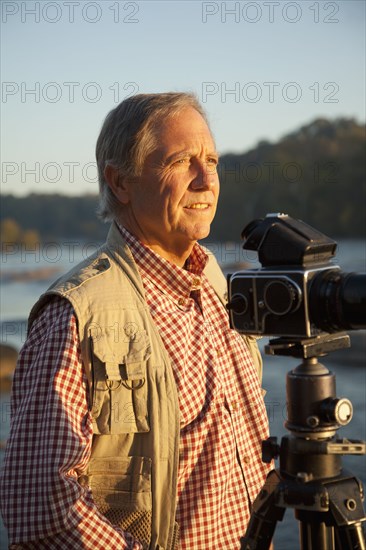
[{"x": 173, "y": 140}]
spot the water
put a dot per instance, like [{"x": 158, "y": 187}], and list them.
[{"x": 18, "y": 297}]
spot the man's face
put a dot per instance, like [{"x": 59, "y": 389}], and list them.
[{"x": 174, "y": 201}]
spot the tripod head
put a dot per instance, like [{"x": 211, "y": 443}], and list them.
[{"x": 314, "y": 411}]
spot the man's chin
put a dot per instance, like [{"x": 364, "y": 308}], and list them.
[{"x": 202, "y": 232}]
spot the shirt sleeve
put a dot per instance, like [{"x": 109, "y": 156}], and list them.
[{"x": 49, "y": 445}]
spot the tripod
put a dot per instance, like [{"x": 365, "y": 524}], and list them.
[{"x": 326, "y": 499}]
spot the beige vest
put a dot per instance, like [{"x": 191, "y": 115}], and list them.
[{"x": 133, "y": 398}]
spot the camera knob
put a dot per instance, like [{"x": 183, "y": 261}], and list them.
[
  {"x": 238, "y": 304},
  {"x": 338, "y": 410},
  {"x": 281, "y": 296}
]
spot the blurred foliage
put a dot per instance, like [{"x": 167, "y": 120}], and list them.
[
  {"x": 12, "y": 233},
  {"x": 316, "y": 173}
]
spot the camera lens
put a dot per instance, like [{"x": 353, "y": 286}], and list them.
[{"x": 337, "y": 300}]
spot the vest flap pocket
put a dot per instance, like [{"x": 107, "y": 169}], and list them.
[
  {"x": 121, "y": 489},
  {"x": 119, "y": 396},
  {"x": 111, "y": 346}
]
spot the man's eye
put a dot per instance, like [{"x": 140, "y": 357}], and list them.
[{"x": 212, "y": 164}]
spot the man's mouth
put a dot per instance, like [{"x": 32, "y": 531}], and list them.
[{"x": 198, "y": 206}]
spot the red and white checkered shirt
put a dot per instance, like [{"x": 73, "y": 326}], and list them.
[
  {"x": 223, "y": 417},
  {"x": 223, "y": 420}
]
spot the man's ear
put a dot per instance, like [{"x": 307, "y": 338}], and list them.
[{"x": 117, "y": 183}]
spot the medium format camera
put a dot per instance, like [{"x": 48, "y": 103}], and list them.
[{"x": 298, "y": 292}]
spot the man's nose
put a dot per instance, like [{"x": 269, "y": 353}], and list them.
[{"x": 205, "y": 176}]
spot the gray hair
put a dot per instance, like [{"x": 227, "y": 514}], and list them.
[{"x": 128, "y": 136}]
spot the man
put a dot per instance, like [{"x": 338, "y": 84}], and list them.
[{"x": 137, "y": 413}]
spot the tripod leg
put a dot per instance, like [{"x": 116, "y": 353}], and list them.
[
  {"x": 352, "y": 537},
  {"x": 316, "y": 536},
  {"x": 264, "y": 516}
]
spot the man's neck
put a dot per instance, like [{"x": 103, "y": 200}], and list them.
[{"x": 177, "y": 257}]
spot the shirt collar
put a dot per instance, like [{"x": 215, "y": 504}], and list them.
[{"x": 171, "y": 279}]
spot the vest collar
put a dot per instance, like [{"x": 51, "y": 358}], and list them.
[{"x": 121, "y": 253}]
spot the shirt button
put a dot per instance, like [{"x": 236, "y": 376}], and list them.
[
  {"x": 246, "y": 459},
  {"x": 181, "y": 302},
  {"x": 234, "y": 405},
  {"x": 196, "y": 281}
]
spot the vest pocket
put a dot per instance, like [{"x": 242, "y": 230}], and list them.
[
  {"x": 121, "y": 490},
  {"x": 119, "y": 393}
]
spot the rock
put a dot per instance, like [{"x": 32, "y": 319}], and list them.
[{"x": 8, "y": 360}]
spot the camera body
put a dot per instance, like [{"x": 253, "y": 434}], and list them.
[
  {"x": 274, "y": 301},
  {"x": 298, "y": 292}
]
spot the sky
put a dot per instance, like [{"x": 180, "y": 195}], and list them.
[{"x": 260, "y": 69}]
